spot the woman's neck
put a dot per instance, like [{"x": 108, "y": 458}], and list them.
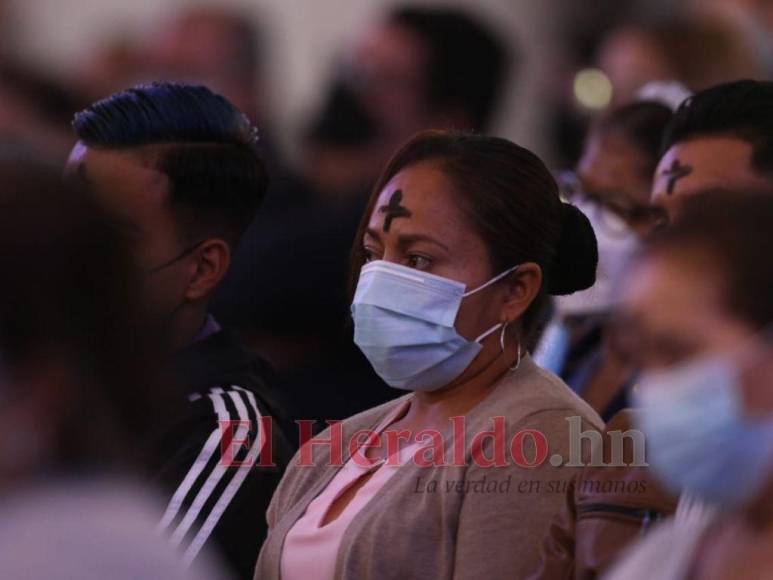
[{"x": 436, "y": 407}]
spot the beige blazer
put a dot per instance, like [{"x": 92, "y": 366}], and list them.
[{"x": 447, "y": 521}]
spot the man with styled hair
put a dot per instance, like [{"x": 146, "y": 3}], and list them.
[{"x": 178, "y": 167}]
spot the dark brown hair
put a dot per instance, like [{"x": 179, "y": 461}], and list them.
[
  {"x": 732, "y": 231},
  {"x": 512, "y": 201}
]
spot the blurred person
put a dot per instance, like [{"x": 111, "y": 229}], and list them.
[
  {"x": 35, "y": 111},
  {"x": 698, "y": 51},
  {"x": 608, "y": 507},
  {"x": 698, "y": 311},
  {"x": 177, "y": 165},
  {"x": 718, "y": 139},
  {"x": 612, "y": 186},
  {"x": 450, "y": 268},
  {"x": 75, "y": 392},
  {"x": 117, "y": 63},
  {"x": 753, "y": 18},
  {"x": 430, "y": 68},
  {"x": 213, "y": 46},
  {"x": 342, "y": 147},
  {"x": 419, "y": 68}
]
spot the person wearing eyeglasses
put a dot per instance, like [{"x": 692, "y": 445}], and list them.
[{"x": 611, "y": 186}]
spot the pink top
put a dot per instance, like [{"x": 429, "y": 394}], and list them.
[{"x": 310, "y": 551}]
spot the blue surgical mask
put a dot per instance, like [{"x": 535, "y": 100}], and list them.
[
  {"x": 699, "y": 438},
  {"x": 404, "y": 324}
]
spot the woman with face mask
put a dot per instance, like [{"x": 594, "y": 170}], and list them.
[
  {"x": 463, "y": 240},
  {"x": 698, "y": 308}
]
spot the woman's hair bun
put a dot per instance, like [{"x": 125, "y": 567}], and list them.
[{"x": 574, "y": 266}]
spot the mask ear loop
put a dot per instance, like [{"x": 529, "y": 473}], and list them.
[
  {"x": 494, "y": 280},
  {"x": 502, "y": 346}
]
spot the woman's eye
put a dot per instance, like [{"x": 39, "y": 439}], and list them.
[
  {"x": 370, "y": 255},
  {"x": 418, "y": 262}
]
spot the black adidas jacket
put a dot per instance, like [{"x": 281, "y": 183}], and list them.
[{"x": 215, "y": 502}]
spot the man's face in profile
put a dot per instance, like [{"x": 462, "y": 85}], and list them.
[
  {"x": 135, "y": 196},
  {"x": 701, "y": 164}
]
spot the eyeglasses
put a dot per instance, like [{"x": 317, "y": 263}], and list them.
[{"x": 616, "y": 214}]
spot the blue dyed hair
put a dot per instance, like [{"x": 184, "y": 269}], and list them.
[{"x": 206, "y": 147}]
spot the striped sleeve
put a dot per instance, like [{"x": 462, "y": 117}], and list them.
[{"x": 217, "y": 473}]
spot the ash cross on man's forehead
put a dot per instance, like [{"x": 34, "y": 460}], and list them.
[
  {"x": 394, "y": 209},
  {"x": 674, "y": 173}
]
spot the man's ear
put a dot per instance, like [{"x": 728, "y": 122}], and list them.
[
  {"x": 522, "y": 287},
  {"x": 213, "y": 257}
]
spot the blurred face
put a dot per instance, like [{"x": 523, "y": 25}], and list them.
[
  {"x": 631, "y": 59},
  {"x": 191, "y": 47},
  {"x": 202, "y": 48},
  {"x": 672, "y": 312},
  {"x": 432, "y": 234},
  {"x": 136, "y": 196},
  {"x": 389, "y": 66},
  {"x": 612, "y": 172},
  {"x": 700, "y": 164}
]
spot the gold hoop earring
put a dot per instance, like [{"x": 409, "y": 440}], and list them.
[{"x": 502, "y": 346}]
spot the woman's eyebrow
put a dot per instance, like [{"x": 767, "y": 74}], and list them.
[{"x": 407, "y": 239}]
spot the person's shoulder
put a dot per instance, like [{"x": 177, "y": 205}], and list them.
[
  {"x": 224, "y": 402},
  {"x": 221, "y": 358},
  {"x": 234, "y": 366},
  {"x": 533, "y": 391}
]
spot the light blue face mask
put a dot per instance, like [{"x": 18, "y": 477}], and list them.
[
  {"x": 699, "y": 438},
  {"x": 404, "y": 324}
]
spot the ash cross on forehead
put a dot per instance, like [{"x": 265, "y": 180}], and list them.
[
  {"x": 394, "y": 209},
  {"x": 674, "y": 173}
]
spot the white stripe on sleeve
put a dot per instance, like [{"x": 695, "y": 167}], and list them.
[
  {"x": 217, "y": 396},
  {"x": 210, "y": 446},
  {"x": 235, "y": 483}
]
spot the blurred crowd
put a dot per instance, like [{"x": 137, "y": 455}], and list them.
[{"x": 180, "y": 290}]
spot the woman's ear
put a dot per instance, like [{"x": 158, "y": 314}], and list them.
[
  {"x": 213, "y": 257},
  {"x": 522, "y": 287}
]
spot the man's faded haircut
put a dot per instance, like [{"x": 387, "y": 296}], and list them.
[{"x": 205, "y": 146}]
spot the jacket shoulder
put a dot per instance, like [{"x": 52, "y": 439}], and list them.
[{"x": 533, "y": 391}]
